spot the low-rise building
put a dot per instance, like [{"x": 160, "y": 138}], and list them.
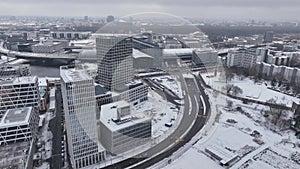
[
  {"x": 121, "y": 131},
  {"x": 70, "y": 35},
  {"x": 49, "y": 47},
  {"x": 225, "y": 157}
]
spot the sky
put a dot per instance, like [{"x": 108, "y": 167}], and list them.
[{"x": 269, "y": 10}]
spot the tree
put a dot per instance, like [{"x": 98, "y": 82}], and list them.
[
  {"x": 236, "y": 90},
  {"x": 229, "y": 104}
]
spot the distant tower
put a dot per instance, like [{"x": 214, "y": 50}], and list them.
[
  {"x": 86, "y": 18},
  {"x": 78, "y": 92},
  {"x": 115, "y": 61},
  {"x": 268, "y": 37},
  {"x": 110, "y": 18}
]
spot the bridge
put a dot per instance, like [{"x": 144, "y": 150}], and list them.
[{"x": 36, "y": 56}]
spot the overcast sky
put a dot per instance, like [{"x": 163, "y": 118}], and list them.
[{"x": 273, "y": 10}]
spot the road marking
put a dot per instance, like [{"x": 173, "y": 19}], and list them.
[
  {"x": 190, "y": 103},
  {"x": 204, "y": 106},
  {"x": 197, "y": 104}
]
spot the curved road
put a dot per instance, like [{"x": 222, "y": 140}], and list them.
[{"x": 193, "y": 113}]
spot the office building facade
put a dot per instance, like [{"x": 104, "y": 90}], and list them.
[
  {"x": 115, "y": 61},
  {"x": 79, "y": 102},
  {"x": 17, "y": 92},
  {"x": 17, "y": 125}
]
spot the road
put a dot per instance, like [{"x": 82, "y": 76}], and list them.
[
  {"x": 192, "y": 108},
  {"x": 56, "y": 128},
  {"x": 30, "y": 55},
  {"x": 170, "y": 97}
]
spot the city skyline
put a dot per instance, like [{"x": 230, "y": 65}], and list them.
[{"x": 204, "y": 9}]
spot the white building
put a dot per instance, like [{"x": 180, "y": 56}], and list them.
[
  {"x": 121, "y": 131},
  {"x": 18, "y": 124},
  {"x": 19, "y": 92},
  {"x": 244, "y": 58},
  {"x": 79, "y": 102}
]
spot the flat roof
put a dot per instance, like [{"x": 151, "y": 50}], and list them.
[
  {"x": 109, "y": 112},
  {"x": 18, "y": 80},
  {"x": 224, "y": 154},
  {"x": 74, "y": 74},
  {"x": 16, "y": 116},
  {"x": 139, "y": 54},
  {"x": 13, "y": 155},
  {"x": 99, "y": 90}
]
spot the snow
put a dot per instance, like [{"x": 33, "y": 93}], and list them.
[
  {"x": 193, "y": 159},
  {"x": 161, "y": 112},
  {"x": 44, "y": 165},
  {"x": 258, "y": 91},
  {"x": 171, "y": 82},
  {"x": 236, "y": 138}
]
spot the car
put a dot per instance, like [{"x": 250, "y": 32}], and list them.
[{"x": 168, "y": 124}]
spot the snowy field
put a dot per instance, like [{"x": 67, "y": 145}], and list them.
[
  {"x": 234, "y": 132},
  {"x": 161, "y": 111},
  {"x": 258, "y": 91}
]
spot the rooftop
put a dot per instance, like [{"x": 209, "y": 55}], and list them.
[
  {"x": 16, "y": 116},
  {"x": 74, "y": 74},
  {"x": 99, "y": 90},
  {"x": 12, "y": 155},
  {"x": 225, "y": 155},
  {"x": 109, "y": 112},
  {"x": 18, "y": 80},
  {"x": 138, "y": 54}
]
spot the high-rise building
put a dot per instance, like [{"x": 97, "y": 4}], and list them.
[
  {"x": 79, "y": 102},
  {"x": 18, "y": 124},
  {"x": 17, "y": 92},
  {"x": 115, "y": 61},
  {"x": 268, "y": 37}
]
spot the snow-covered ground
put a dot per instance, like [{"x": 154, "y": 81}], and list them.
[
  {"x": 268, "y": 150},
  {"x": 258, "y": 91},
  {"x": 161, "y": 111},
  {"x": 171, "y": 83}
]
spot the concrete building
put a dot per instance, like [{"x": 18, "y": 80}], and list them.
[
  {"x": 15, "y": 70},
  {"x": 121, "y": 131},
  {"x": 70, "y": 35},
  {"x": 79, "y": 102},
  {"x": 18, "y": 155},
  {"x": 17, "y": 92},
  {"x": 290, "y": 74},
  {"x": 18, "y": 124},
  {"x": 115, "y": 61},
  {"x": 244, "y": 58},
  {"x": 268, "y": 37},
  {"x": 49, "y": 47},
  {"x": 205, "y": 57}
]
